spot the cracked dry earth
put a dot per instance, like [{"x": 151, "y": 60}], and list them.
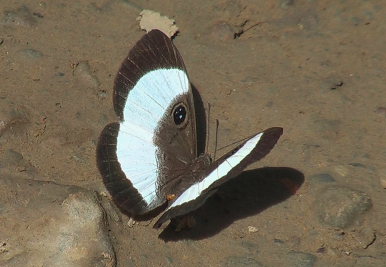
[{"x": 315, "y": 68}]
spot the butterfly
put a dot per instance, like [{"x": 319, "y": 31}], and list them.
[{"x": 153, "y": 158}]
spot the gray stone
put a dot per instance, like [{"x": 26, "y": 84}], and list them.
[
  {"x": 286, "y": 3},
  {"x": 19, "y": 17},
  {"x": 46, "y": 224},
  {"x": 339, "y": 206},
  {"x": 322, "y": 178},
  {"x": 30, "y": 53},
  {"x": 12, "y": 157},
  {"x": 300, "y": 259},
  {"x": 242, "y": 261}
]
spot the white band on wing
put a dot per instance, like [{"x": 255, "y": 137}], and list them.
[
  {"x": 222, "y": 170},
  {"x": 145, "y": 105}
]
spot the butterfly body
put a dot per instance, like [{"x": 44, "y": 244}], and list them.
[{"x": 153, "y": 158}]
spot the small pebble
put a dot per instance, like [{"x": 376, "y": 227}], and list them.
[
  {"x": 131, "y": 223},
  {"x": 252, "y": 229},
  {"x": 382, "y": 181},
  {"x": 341, "y": 170},
  {"x": 104, "y": 194}
]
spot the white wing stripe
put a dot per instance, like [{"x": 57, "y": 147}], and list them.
[
  {"x": 223, "y": 169},
  {"x": 145, "y": 105}
]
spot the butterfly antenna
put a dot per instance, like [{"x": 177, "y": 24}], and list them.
[
  {"x": 236, "y": 142},
  {"x": 215, "y": 143},
  {"x": 207, "y": 131}
]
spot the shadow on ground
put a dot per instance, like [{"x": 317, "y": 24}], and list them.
[{"x": 247, "y": 195}]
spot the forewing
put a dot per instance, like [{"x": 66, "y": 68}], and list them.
[
  {"x": 150, "y": 80},
  {"x": 154, "y": 51},
  {"x": 227, "y": 167}
]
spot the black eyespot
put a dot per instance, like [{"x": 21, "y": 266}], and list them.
[{"x": 179, "y": 114}]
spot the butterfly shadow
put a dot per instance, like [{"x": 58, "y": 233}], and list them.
[{"x": 249, "y": 194}]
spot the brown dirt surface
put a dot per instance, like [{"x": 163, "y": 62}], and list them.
[{"x": 315, "y": 68}]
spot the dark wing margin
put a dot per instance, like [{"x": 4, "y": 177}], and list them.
[
  {"x": 124, "y": 195},
  {"x": 263, "y": 147},
  {"x": 153, "y": 51}
]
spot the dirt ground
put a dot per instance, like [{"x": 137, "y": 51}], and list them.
[{"x": 315, "y": 68}]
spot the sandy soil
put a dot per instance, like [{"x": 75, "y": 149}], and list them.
[{"x": 315, "y": 68}]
